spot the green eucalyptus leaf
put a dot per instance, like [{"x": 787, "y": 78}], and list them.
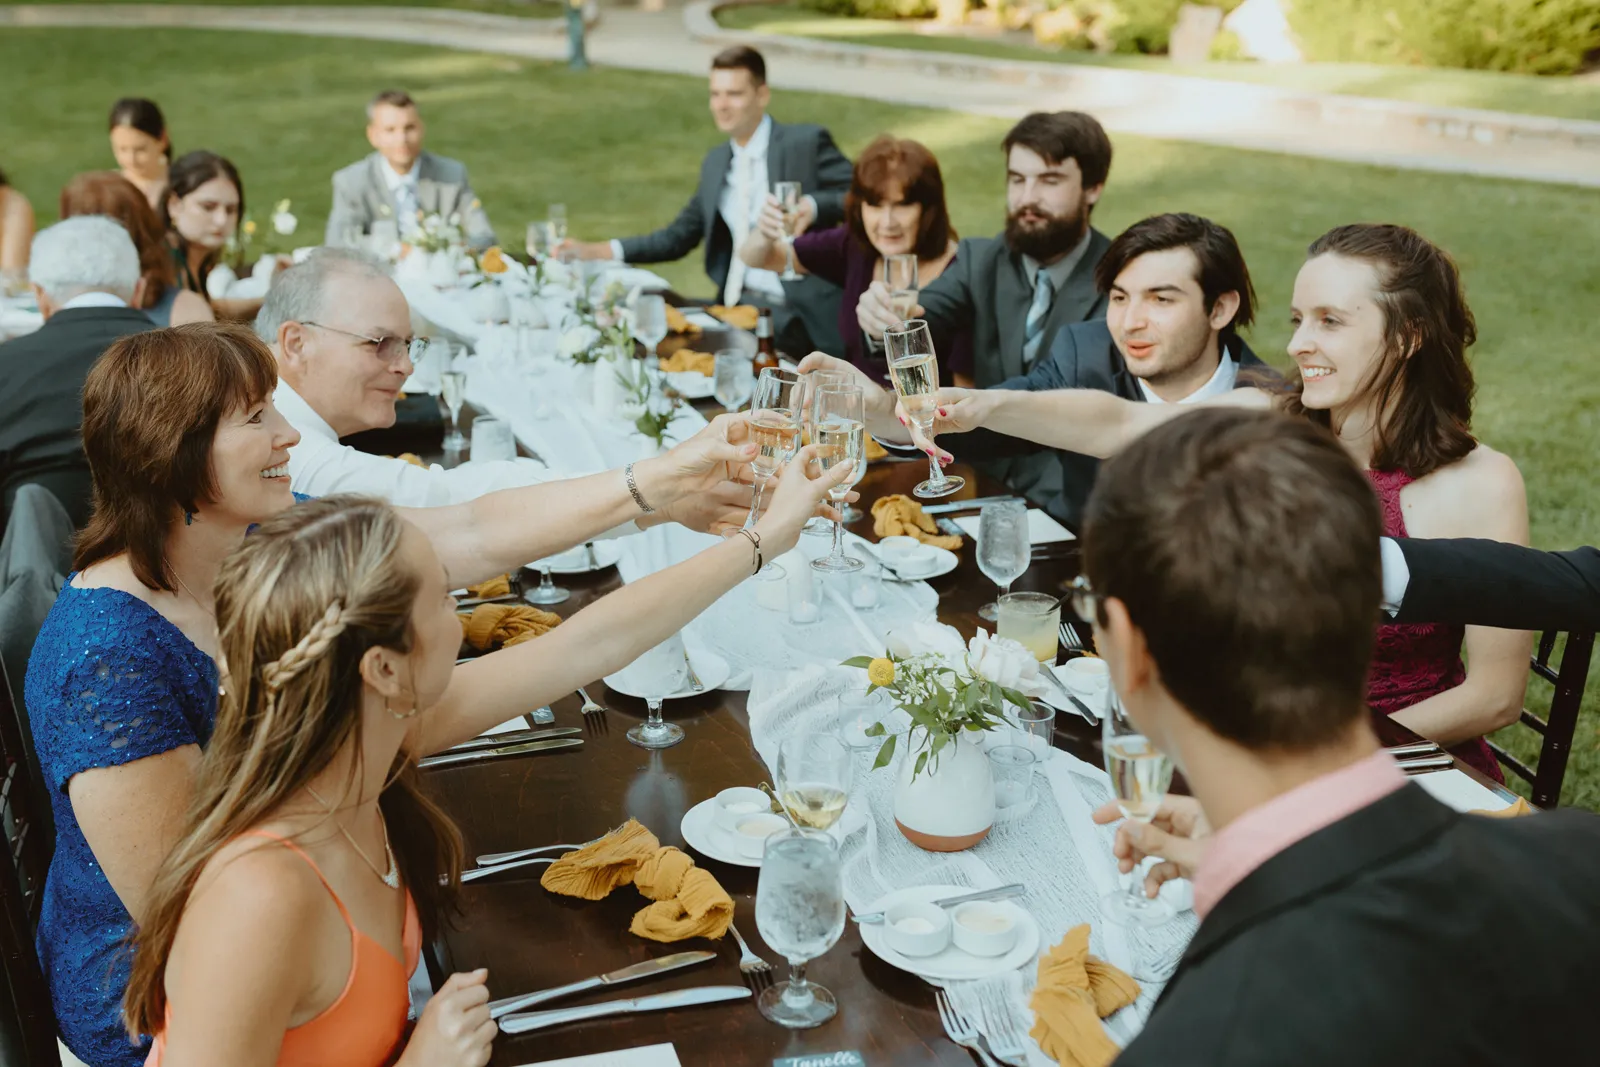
[
  {"x": 886, "y": 752},
  {"x": 875, "y": 730},
  {"x": 922, "y": 761},
  {"x": 857, "y": 661}
]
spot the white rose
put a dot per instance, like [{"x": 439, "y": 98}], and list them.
[
  {"x": 284, "y": 223},
  {"x": 927, "y": 637},
  {"x": 578, "y": 340},
  {"x": 1005, "y": 662},
  {"x": 219, "y": 281}
]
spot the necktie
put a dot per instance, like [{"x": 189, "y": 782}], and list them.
[
  {"x": 405, "y": 201},
  {"x": 741, "y": 228},
  {"x": 1043, "y": 292}
]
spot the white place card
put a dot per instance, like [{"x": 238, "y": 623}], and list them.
[
  {"x": 648, "y": 1056},
  {"x": 519, "y": 723},
  {"x": 1460, "y": 791},
  {"x": 1042, "y": 529}
]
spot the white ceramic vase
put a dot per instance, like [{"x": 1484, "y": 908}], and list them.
[{"x": 949, "y": 806}]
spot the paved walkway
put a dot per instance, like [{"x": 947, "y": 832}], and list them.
[{"x": 681, "y": 40}]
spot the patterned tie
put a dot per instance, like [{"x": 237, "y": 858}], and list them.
[
  {"x": 741, "y": 228},
  {"x": 1043, "y": 292},
  {"x": 405, "y": 200}
]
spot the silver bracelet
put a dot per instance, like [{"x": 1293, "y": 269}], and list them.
[{"x": 633, "y": 490}]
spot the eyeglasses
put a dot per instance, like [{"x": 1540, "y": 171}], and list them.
[
  {"x": 1085, "y": 601},
  {"x": 389, "y": 349}
]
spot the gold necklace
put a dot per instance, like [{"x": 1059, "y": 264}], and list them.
[
  {"x": 197, "y": 601},
  {"x": 392, "y": 879}
]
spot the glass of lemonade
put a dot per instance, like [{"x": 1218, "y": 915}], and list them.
[{"x": 1031, "y": 619}]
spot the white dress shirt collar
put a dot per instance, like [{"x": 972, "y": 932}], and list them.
[
  {"x": 1222, "y": 381},
  {"x": 93, "y": 300},
  {"x": 394, "y": 181},
  {"x": 301, "y": 415},
  {"x": 758, "y": 142}
]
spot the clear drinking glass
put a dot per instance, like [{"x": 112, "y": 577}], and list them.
[
  {"x": 650, "y": 320},
  {"x": 1037, "y": 723},
  {"x": 788, "y": 196},
  {"x": 660, "y": 672},
  {"x": 492, "y": 440},
  {"x": 537, "y": 243},
  {"x": 817, "y": 526},
  {"x": 800, "y": 913},
  {"x": 839, "y": 430},
  {"x": 1011, "y": 767},
  {"x": 775, "y": 428},
  {"x": 547, "y": 591},
  {"x": 900, "y": 275},
  {"x": 734, "y": 378},
  {"x": 914, "y": 369},
  {"x": 1033, "y": 620},
  {"x": 557, "y": 216},
  {"x": 1004, "y": 550},
  {"x": 1140, "y": 774},
  {"x": 453, "y": 387},
  {"x": 814, "y": 772}
]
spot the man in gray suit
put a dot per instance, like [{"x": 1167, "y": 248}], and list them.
[
  {"x": 1016, "y": 290},
  {"x": 401, "y": 181},
  {"x": 735, "y": 180}
]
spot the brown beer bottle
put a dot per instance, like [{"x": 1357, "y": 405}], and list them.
[{"x": 766, "y": 348}]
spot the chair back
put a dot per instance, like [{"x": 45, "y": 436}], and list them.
[{"x": 1556, "y": 729}]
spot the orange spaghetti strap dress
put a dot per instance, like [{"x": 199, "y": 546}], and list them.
[{"x": 365, "y": 1024}]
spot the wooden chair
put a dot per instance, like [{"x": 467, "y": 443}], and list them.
[
  {"x": 27, "y": 1020},
  {"x": 1569, "y": 681}
]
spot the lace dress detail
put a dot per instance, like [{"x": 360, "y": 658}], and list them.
[
  {"x": 1414, "y": 661},
  {"x": 110, "y": 681}
]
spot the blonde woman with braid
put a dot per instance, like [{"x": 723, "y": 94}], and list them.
[{"x": 187, "y": 452}]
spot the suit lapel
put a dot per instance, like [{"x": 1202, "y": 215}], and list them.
[
  {"x": 716, "y": 179},
  {"x": 383, "y": 201},
  {"x": 1012, "y": 297}
]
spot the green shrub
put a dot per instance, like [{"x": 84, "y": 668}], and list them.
[
  {"x": 1525, "y": 36},
  {"x": 875, "y": 9},
  {"x": 1114, "y": 25}
]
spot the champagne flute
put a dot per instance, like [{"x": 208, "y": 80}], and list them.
[
  {"x": 817, "y": 525},
  {"x": 538, "y": 243},
  {"x": 914, "y": 369},
  {"x": 1140, "y": 774},
  {"x": 775, "y": 428},
  {"x": 814, "y": 772},
  {"x": 557, "y": 216},
  {"x": 800, "y": 913},
  {"x": 453, "y": 387},
  {"x": 788, "y": 195},
  {"x": 900, "y": 275},
  {"x": 1004, "y": 550},
  {"x": 650, "y": 321},
  {"x": 734, "y": 378},
  {"x": 840, "y": 433}
]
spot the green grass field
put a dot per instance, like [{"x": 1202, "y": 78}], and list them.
[
  {"x": 1572, "y": 98},
  {"x": 622, "y": 150},
  {"x": 543, "y": 9}
]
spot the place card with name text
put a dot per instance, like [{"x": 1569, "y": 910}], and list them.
[
  {"x": 847, "y": 1058},
  {"x": 646, "y": 1056}
]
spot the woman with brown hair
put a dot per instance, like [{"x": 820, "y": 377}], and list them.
[
  {"x": 103, "y": 192},
  {"x": 201, "y": 211},
  {"x": 895, "y": 206},
  {"x": 141, "y": 145},
  {"x": 1381, "y": 329},
  {"x": 187, "y": 453}
]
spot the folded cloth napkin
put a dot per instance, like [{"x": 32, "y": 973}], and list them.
[
  {"x": 677, "y": 322},
  {"x": 1510, "y": 811},
  {"x": 875, "y": 451},
  {"x": 685, "y": 359},
  {"x": 660, "y": 876},
  {"x": 492, "y": 626},
  {"x": 594, "y": 870},
  {"x": 742, "y": 316},
  {"x": 1074, "y": 993},
  {"x": 492, "y": 588},
  {"x": 701, "y": 908},
  {"x": 412, "y": 458},
  {"x": 897, "y": 515}
]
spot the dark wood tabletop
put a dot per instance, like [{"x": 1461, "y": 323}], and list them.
[{"x": 530, "y": 939}]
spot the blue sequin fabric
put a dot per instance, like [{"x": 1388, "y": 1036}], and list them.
[{"x": 110, "y": 681}]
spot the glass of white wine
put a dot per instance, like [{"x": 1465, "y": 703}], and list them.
[
  {"x": 814, "y": 772},
  {"x": 1140, "y": 774},
  {"x": 839, "y": 428},
  {"x": 914, "y": 369},
  {"x": 453, "y": 388},
  {"x": 774, "y": 427},
  {"x": 788, "y": 196},
  {"x": 900, "y": 275}
]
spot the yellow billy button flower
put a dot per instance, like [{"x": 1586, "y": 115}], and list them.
[
  {"x": 249, "y": 228},
  {"x": 880, "y": 672}
]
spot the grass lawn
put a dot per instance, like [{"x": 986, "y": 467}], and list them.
[
  {"x": 541, "y": 9},
  {"x": 1563, "y": 97},
  {"x": 622, "y": 151}
]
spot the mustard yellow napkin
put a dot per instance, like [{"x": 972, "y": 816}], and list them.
[
  {"x": 594, "y": 870},
  {"x": 898, "y": 515},
  {"x": 1074, "y": 993},
  {"x": 742, "y": 316},
  {"x": 701, "y": 908},
  {"x": 677, "y": 322},
  {"x": 492, "y": 626},
  {"x": 661, "y": 874},
  {"x": 875, "y": 451},
  {"x": 1520, "y": 807},
  {"x": 686, "y": 359},
  {"x": 494, "y": 587},
  {"x": 412, "y": 458}
]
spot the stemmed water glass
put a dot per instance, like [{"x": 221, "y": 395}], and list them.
[
  {"x": 814, "y": 773},
  {"x": 537, "y": 242},
  {"x": 914, "y": 369},
  {"x": 788, "y": 196},
  {"x": 800, "y": 913},
  {"x": 1004, "y": 550},
  {"x": 839, "y": 430},
  {"x": 453, "y": 387},
  {"x": 734, "y": 378},
  {"x": 650, "y": 320},
  {"x": 660, "y": 673},
  {"x": 900, "y": 275},
  {"x": 547, "y": 591},
  {"x": 775, "y": 428},
  {"x": 1140, "y": 774}
]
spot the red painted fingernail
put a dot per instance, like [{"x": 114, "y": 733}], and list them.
[{"x": 943, "y": 413}]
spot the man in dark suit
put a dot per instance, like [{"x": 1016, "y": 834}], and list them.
[
  {"x": 1017, "y": 290},
  {"x": 735, "y": 180},
  {"x": 1232, "y": 574},
  {"x": 1470, "y": 582},
  {"x": 85, "y": 276}
]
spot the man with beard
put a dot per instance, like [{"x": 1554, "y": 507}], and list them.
[{"x": 1016, "y": 290}]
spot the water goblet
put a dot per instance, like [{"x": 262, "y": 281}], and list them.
[
  {"x": 800, "y": 913},
  {"x": 1004, "y": 550},
  {"x": 660, "y": 673},
  {"x": 734, "y": 378},
  {"x": 650, "y": 321},
  {"x": 547, "y": 592}
]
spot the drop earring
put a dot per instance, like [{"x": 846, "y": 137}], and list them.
[{"x": 188, "y": 517}]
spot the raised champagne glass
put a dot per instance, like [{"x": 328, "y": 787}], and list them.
[
  {"x": 900, "y": 275},
  {"x": 453, "y": 388},
  {"x": 1140, "y": 774},
  {"x": 840, "y": 433},
  {"x": 914, "y": 369},
  {"x": 788, "y": 196},
  {"x": 774, "y": 427}
]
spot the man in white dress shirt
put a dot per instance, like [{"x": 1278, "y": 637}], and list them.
[
  {"x": 341, "y": 331},
  {"x": 735, "y": 180}
]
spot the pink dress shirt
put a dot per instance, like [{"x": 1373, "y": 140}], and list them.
[{"x": 1264, "y": 831}]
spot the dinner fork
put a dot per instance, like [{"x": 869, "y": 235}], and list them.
[
  {"x": 1070, "y": 639},
  {"x": 1007, "y": 1045},
  {"x": 589, "y": 706},
  {"x": 961, "y": 1031},
  {"x": 484, "y": 872},
  {"x": 757, "y": 971}
]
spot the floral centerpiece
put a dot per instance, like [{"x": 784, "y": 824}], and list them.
[
  {"x": 436, "y": 233},
  {"x": 656, "y": 406},
  {"x": 248, "y": 243}
]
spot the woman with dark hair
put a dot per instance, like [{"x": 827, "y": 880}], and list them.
[
  {"x": 16, "y": 234},
  {"x": 1381, "y": 331},
  {"x": 895, "y": 206},
  {"x": 108, "y": 193},
  {"x": 141, "y": 146},
  {"x": 202, "y": 207}
]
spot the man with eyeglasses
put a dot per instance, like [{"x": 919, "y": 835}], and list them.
[{"x": 341, "y": 331}]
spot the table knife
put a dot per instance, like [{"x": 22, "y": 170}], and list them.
[
  {"x": 594, "y": 562},
  {"x": 1004, "y": 892},
  {"x": 964, "y": 505},
  {"x": 660, "y": 965},
  {"x": 538, "y": 1020},
  {"x": 448, "y": 759},
  {"x": 694, "y": 679},
  {"x": 1415, "y": 748},
  {"x": 1427, "y": 764},
  {"x": 514, "y": 737}
]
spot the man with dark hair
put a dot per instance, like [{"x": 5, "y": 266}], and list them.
[
  {"x": 402, "y": 181},
  {"x": 1345, "y": 914},
  {"x": 736, "y": 179}
]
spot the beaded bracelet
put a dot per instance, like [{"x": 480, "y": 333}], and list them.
[{"x": 633, "y": 489}]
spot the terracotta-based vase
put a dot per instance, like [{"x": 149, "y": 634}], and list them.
[{"x": 950, "y": 805}]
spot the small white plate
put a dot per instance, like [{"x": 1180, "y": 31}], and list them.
[
  {"x": 691, "y": 384},
  {"x": 705, "y": 837},
  {"x": 576, "y": 560},
  {"x": 951, "y": 965},
  {"x": 711, "y": 668},
  {"x": 935, "y": 562}
]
